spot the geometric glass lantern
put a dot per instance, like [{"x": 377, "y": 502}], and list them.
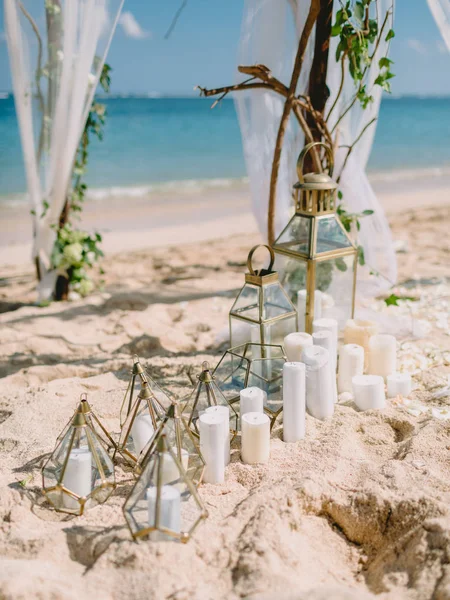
[
  {"x": 163, "y": 503},
  {"x": 206, "y": 394},
  {"x": 79, "y": 474},
  {"x": 147, "y": 412},
  {"x": 181, "y": 440},
  {"x": 262, "y": 312},
  {"x": 253, "y": 365},
  {"x": 314, "y": 253}
]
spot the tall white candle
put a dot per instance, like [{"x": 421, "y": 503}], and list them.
[
  {"x": 169, "y": 510},
  {"x": 251, "y": 400},
  {"x": 359, "y": 332},
  {"x": 294, "y": 401},
  {"x": 301, "y": 307},
  {"x": 141, "y": 431},
  {"x": 399, "y": 384},
  {"x": 294, "y": 344},
  {"x": 324, "y": 339},
  {"x": 368, "y": 391},
  {"x": 382, "y": 355},
  {"x": 351, "y": 362},
  {"x": 224, "y": 412},
  {"x": 212, "y": 446},
  {"x": 332, "y": 326},
  {"x": 319, "y": 388},
  {"x": 170, "y": 471},
  {"x": 78, "y": 476},
  {"x": 255, "y": 438}
]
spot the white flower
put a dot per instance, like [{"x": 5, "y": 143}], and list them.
[
  {"x": 73, "y": 253},
  {"x": 60, "y": 55},
  {"x": 91, "y": 257},
  {"x": 86, "y": 286},
  {"x": 91, "y": 79}
]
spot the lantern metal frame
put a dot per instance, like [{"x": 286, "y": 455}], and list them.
[
  {"x": 134, "y": 497},
  {"x": 181, "y": 428},
  {"x": 316, "y": 201},
  {"x": 58, "y": 468},
  {"x": 261, "y": 279}
]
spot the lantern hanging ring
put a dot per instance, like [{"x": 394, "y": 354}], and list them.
[
  {"x": 305, "y": 151},
  {"x": 250, "y": 268}
]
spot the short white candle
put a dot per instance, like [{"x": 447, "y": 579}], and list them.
[
  {"x": 224, "y": 411},
  {"x": 294, "y": 343},
  {"x": 170, "y": 471},
  {"x": 301, "y": 307},
  {"x": 359, "y": 332},
  {"x": 212, "y": 446},
  {"x": 399, "y": 384},
  {"x": 251, "y": 400},
  {"x": 141, "y": 432},
  {"x": 319, "y": 388},
  {"x": 325, "y": 339},
  {"x": 169, "y": 510},
  {"x": 255, "y": 438},
  {"x": 351, "y": 363},
  {"x": 78, "y": 476},
  {"x": 382, "y": 355},
  {"x": 332, "y": 326},
  {"x": 294, "y": 401},
  {"x": 368, "y": 391}
]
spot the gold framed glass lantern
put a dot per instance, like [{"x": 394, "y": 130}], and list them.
[
  {"x": 262, "y": 312},
  {"x": 79, "y": 474},
  {"x": 163, "y": 503},
  {"x": 315, "y": 257},
  {"x": 259, "y": 365},
  {"x": 181, "y": 440},
  {"x": 207, "y": 394}
]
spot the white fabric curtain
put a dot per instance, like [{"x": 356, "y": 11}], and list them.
[
  {"x": 270, "y": 33},
  {"x": 440, "y": 9},
  {"x": 57, "y": 50}
]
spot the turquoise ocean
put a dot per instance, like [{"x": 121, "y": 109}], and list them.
[{"x": 150, "y": 142}]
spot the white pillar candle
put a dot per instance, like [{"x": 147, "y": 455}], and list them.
[
  {"x": 212, "y": 446},
  {"x": 351, "y": 362},
  {"x": 294, "y": 401},
  {"x": 359, "y": 332},
  {"x": 169, "y": 510},
  {"x": 255, "y": 438},
  {"x": 224, "y": 412},
  {"x": 399, "y": 384},
  {"x": 141, "y": 432},
  {"x": 319, "y": 388},
  {"x": 301, "y": 307},
  {"x": 170, "y": 471},
  {"x": 325, "y": 339},
  {"x": 382, "y": 355},
  {"x": 251, "y": 400},
  {"x": 78, "y": 476},
  {"x": 368, "y": 391},
  {"x": 294, "y": 344},
  {"x": 332, "y": 326}
]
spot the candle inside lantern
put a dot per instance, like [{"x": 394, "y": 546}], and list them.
[
  {"x": 169, "y": 510},
  {"x": 169, "y": 469},
  {"x": 78, "y": 475},
  {"x": 359, "y": 332},
  {"x": 294, "y": 344},
  {"x": 212, "y": 446},
  {"x": 351, "y": 362},
  {"x": 294, "y": 406},
  {"x": 255, "y": 438},
  {"x": 141, "y": 431},
  {"x": 382, "y": 355},
  {"x": 332, "y": 326},
  {"x": 301, "y": 307},
  {"x": 368, "y": 391},
  {"x": 224, "y": 412},
  {"x": 319, "y": 388},
  {"x": 251, "y": 400},
  {"x": 324, "y": 339},
  {"x": 399, "y": 384}
]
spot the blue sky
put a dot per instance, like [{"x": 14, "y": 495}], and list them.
[{"x": 202, "y": 49}]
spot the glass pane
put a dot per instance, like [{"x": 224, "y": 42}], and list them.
[
  {"x": 276, "y": 332},
  {"x": 292, "y": 274},
  {"x": 275, "y": 301},
  {"x": 334, "y": 286},
  {"x": 231, "y": 373},
  {"x": 267, "y": 374},
  {"x": 296, "y": 236},
  {"x": 330, "y": 235},
  {"x": 243, "y": 332},
  {"x": 247, "y": 303}
]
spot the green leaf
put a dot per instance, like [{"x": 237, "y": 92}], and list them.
[
  {"x": 340, "y": 264},
  {"x": 368, "y": 211},
  {"x": 393, "y": 299},
  {"x": 385, "y": 62},
  {"x": 390, "y": 35},
  {"x": 340, "y": 195},
  {"x": 361, "y": 257},
  {"x": 359, "y": 11}
]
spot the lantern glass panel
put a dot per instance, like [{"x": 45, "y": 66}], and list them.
[
  {"x": 232, "y": 371},
  {"x": 243, "y": 331},
  {"x": 292, "y": 273},
  {"x": 296, "y": 237},
  {"x": 335, "y": 281},
  {"x": 330, "y": 235},
  {"x": 247, "y": 303}
]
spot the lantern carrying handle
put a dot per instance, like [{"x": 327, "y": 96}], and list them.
[
  {"x": 250, "y": 268},
  {"x": 305, "y": 151}
]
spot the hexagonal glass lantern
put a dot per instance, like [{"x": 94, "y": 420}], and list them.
[
  {"x": 315, "y": 257},
  {"x": 206, "y": 394},
  {"x": 181, "y": 440},
  {"x": 79, "y": 474},
  {"x": 164, "y": 503},
  {"x": 262, "y": 312},
  {"x": 259, "y": 365}
]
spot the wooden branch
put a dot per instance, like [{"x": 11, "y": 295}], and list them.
[
  {"x": 175, "y": 19},
  {"x": 309, "y": 24},
  {"x": 350, "y": 148}
]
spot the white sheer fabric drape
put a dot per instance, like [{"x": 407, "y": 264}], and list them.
[
  {"x": 440, "y": 9},
  {"x": 53, "y": 91},
  {"x": 269, "y": 36}
]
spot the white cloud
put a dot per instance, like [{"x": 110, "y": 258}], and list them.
[
  {"x": 131, "y": 27},
  {"x": 417, "y": 46},
  {"x": 441, "y": 47}
]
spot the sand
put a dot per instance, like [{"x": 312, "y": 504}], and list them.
[{"x": 358, "y": 510}]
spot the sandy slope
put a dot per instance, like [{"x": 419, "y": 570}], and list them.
[{"x": 360, "y": 508}]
